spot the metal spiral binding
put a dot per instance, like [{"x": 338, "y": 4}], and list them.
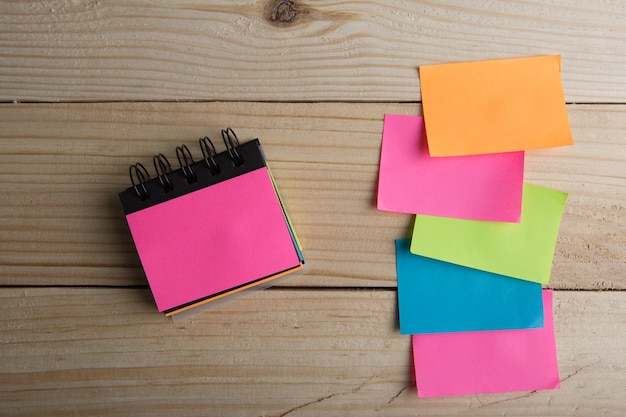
[
  {"x": 143, "y": 186},
  {"x": 140, "y": 188},
  {"x": 231, "y": 141},
  {"x": 163, "y": 168},
  {"x": 185, "y": 160},
  {"x": 208, "y": 151}
]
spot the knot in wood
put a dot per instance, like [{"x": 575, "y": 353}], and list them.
[{"x": 283, "y": 11}]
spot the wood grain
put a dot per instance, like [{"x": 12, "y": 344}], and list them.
[
  {"x": 62, "y": 166},
  {"x": 88, "y": 87},
  {"x": 59, "y": 50},
  {"x": 105, "y": 352}
]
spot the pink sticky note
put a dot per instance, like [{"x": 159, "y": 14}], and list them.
[
  {"x": 487, "y": 361},
  {"x": 214, "y": 239},
  {"x": 478, "y": 187}
]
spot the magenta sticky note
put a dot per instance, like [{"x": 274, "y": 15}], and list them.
[
  {"x": 482, "y": 362},
  {"x": 213, "y": 240},
  {"x": 478, "y": 187}
]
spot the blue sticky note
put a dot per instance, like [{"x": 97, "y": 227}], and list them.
[{"x": 440, "y": 297}]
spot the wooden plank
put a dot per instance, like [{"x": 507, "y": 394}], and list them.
[
  {"x": 319, "y": 352},
  {"x": 62, "y": 165},
  {"x": 293, "y": 50}
]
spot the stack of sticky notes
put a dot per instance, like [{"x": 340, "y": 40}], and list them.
[{"x": 470, "y": 278}]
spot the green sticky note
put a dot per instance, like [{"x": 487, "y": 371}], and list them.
[{"x": 521, "y": 250}]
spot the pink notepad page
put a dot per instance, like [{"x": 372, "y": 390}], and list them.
[
  {"x": 477, "y": 187},
  {"x": 213, "y": 239},
  {"x": 487, "y": 361}
]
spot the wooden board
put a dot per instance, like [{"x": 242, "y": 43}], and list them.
[
  {"x": 62, "y": 166},
  {"x": 88, "y": 87},
  {"x": 104, "y": 352},
  {"x": 293, "y": 50}
]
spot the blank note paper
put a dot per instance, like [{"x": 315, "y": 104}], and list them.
[
  {"x": 480, "y": 187},
  {"x": 521, "y": 250},
  {"x": 436, "y": 296},
  {"x": 494, "y": 106},
  {"x": 213, "y": 240},
  {"x": 485, "y": 362}
]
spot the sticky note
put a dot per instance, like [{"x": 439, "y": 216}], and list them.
[
  {"x": 494, "y": 106},
  {"x": 521, "y": 250},
  {"x": 480, "y": 187},
  {"x": 436, "y": 296},
  {"x": 467, "y": 363},
  {"x": 215, "y": 239}
]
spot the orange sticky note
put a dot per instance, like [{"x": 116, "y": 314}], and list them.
[{"x": 494, "y": 106}]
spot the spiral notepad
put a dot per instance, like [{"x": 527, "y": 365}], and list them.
[{"x": 210, "y": 228}]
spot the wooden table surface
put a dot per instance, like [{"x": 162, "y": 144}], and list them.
[{"x": 89, "y": 87}]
